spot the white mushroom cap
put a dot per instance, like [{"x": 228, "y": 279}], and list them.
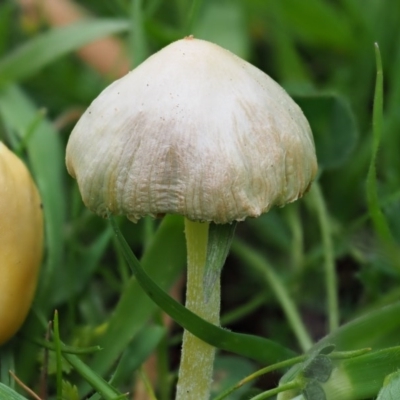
[{"x": 194, "y": 130}]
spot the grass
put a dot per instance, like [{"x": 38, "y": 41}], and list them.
[{"x": 294, "y": 275}]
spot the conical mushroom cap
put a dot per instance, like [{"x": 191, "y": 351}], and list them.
[{"x": 194, "y": 130}]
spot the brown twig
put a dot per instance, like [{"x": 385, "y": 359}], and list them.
[{"x": 23, "y": 386}]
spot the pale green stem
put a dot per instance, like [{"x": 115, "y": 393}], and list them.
[
  {"x": 197, "y": 360},
  {"x": 330, "y": 272}
]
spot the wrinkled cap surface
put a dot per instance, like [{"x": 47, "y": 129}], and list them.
[{"x": 194, "y": 130}]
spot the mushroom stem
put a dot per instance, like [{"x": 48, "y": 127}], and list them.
[{"x": 197, "y": 360}]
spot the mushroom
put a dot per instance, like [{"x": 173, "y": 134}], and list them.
[
  {"x": 197, "y": 131},
  {"x": 21, "y": 244}
]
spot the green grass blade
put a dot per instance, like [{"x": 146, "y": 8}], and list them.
[
  {"x": 7, "y": 363},
  {"x": 372, "y": 195},
  {"x": 97, "y": 382},
  {"x": 194, "y": 11},
  {"x": 163, "y": 261},
  {"x": 73, "y": 280},
  {"x": 292, "y": 70},
  {"x": 254, "y": 347},
  {"x": 6, "y": 23},
  {"x": 375, "y": 212},
  {"x": 47, "y": 164},
  {"x": 138, "y": 39},
  {"x": 318, "y": 205},
  {"x": 138, "y": 351},
  {"x": 376, "y": 329},
  {"x": 65, "y": 349},
  {"x": 57, "y": 346},
  {"x": 47, "y": 47},
  {"x": 9, "y": 394},
  {"x": 94, "y": 380},
  {"x": 272, "y": 392},
  {"x": 222, "y": 23},
  {"x": 255, "y": 261}
]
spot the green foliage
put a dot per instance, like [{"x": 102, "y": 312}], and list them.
[
  {"x": 7, "y": 393},
  {"x": 254, "y": 347},
  {"x": 333, "y": 125},
  {"x": 293, "y": 274},
  {"x": 46, "y": 48},
  {"x": 69, "y": 391},
  {"x": 391, "y": 387},
  {"x": 228, "y": 371}
]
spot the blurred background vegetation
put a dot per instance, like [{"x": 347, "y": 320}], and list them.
[{"x": 57, "y": 55}]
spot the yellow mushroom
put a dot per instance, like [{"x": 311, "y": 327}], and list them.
[{"x": 21, "y": 242}]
